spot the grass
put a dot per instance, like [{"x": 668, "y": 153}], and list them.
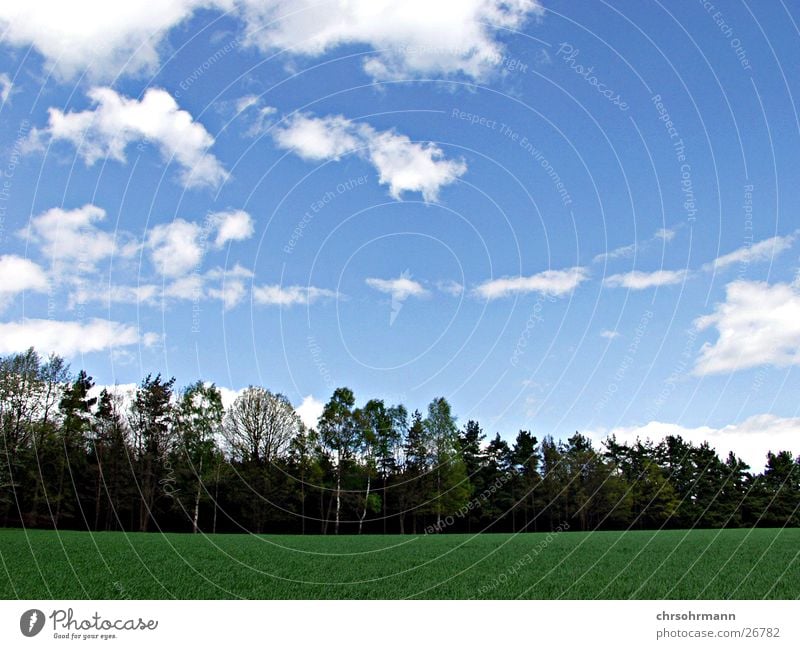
[{"x": 697, "y": 564}]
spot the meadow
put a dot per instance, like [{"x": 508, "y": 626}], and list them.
[{"x": 674, "y": 564}]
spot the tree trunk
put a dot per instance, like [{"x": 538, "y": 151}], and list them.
[
  {"x": 216, "y": 499},
  {"x": 197, "y": 498},
  {"x": 338, "y": 493},
  {"x": 438, "y": 496},
  {"x": 366, "y": 504}
]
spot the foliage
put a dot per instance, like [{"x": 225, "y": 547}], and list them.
[{"x": 73, "y": 457}]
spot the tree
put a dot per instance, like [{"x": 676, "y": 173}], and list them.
[
  {"x": 782, "y": 481},
  {"x": 258, "y": 429},
  {"x": 415, "y": 470},
  {"x": 452, "y": 486},
  {"x": 198, "y": 423},
  {"x": 339, "y": 432},
  {"x": 470, "y": 443},
  {"x": 151, "y": 419},
  {"x": 76, "y": 426},
  {"x": 111, "y": 458},
  {"x": 526, "y": 478},
  {"x": 259, "y": 426}
]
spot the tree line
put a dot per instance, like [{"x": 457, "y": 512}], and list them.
[{"x": 177, "y": 460}]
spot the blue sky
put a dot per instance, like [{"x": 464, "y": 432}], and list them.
[{"x": 560, "y": 216}]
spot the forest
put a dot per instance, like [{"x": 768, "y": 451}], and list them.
[{"x": 177, "y": 460}]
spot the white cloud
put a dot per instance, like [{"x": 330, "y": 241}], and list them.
[
  {"x": 758, "y": 324},
  {"x": 178, "y": 247},
  {"x": 637, "y": 280},
  {"x": 662, "y": 236},
  {"x": 248, "y": 101},
  {"x": 260, "y": 118},
  {"x": 71, "y": 237},
  {"x": 310, "y": 411},
  {"x": 231, "y": 293},
  {"x": 5, "y": 87},
  {"x": 231, "y": 290},
  {"x": 319, "y": 138},
  {"x": 87, "y": 292},
  {"x": 153, "y": 339},
  {"x": 95, "y": 35},
  {"x": 190, "y": 287},
  {"x": 665, "y": 234},
  {"x": 66, "y": 338},
  {"x": 409, "y": 39},
  {"x": 400, "y": 288},
  {"x": 762, "y": 251},
  {"x": 749, "y": 439},
  {"x": 175, "y": 248},
  {"x": 414, "y": 38},
  {"x": 403, "y": 165},
  {"x": 18, "y": 274},
  {"x": 610, "y": 335},
  {"x": 548, "y": 282},
  {"x": 623, "y": 252},
  {"x": 237, "y": 271},
  {"x": 116, "y": 121},
  {"x": 233, "y": 225},
  {"x": 450, "y": 287},
  {"x": 408, "y": 166},
  {"x": 228, "y": 288},
  {"x": 275, "y": 295},
  {"x": 229, "y": 395}
]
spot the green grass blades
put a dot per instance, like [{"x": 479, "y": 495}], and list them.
[{"x": 697, "y": 564}]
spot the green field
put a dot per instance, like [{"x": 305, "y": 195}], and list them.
[{"x": 707, "y": 564}]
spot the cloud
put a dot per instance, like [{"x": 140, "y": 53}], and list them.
[
  {"x": 637, "y": 280},
  {"x": 749, "y": 439},
  {"x": 275, "y": 295},
  {"x": 623, "y": 252},
  {"x": 403, "y": 165},
  {"x": 234, "y": 225},
  {"x": 17, "y": 275},
  {"x": 175, "y": 248},
  {"x": 245, "y": 102},
  {"x": 228, "y": 395},
  {"x": 319, "y": 138},
  {"x": 548, "y": 282},
  {"x": 108, "y": 294},
  {"x": 117, "y": 121},
  {"x": 662, "y": 235},
  {"x": 260, "y": 119},
  {"x": 758, "y": 324},
  {"x": 765, "y": 250},
  {"x": 66, "y": 338},
  {"x": 409, "y": 39},
  {"x": 71, "y": 239},
  {"x": 400, "y": 288},
  {"x": 102, "y": 37},
  {"x": 310, "y": 411},
  {"x": 231, "y": 293},
  {"x": 5, "y": 87},
  {"x": 229, "y": 289},
  {"x": 414, "y": 38},
  {"x": 610, "y": 335},
  {"x": 152, "y": 339},
  {"x": 450, "y": 287}
]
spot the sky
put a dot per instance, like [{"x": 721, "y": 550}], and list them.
[{"x": 559, "y": 216}]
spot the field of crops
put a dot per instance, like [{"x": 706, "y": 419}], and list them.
[{"x": 709, "y": 564}]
